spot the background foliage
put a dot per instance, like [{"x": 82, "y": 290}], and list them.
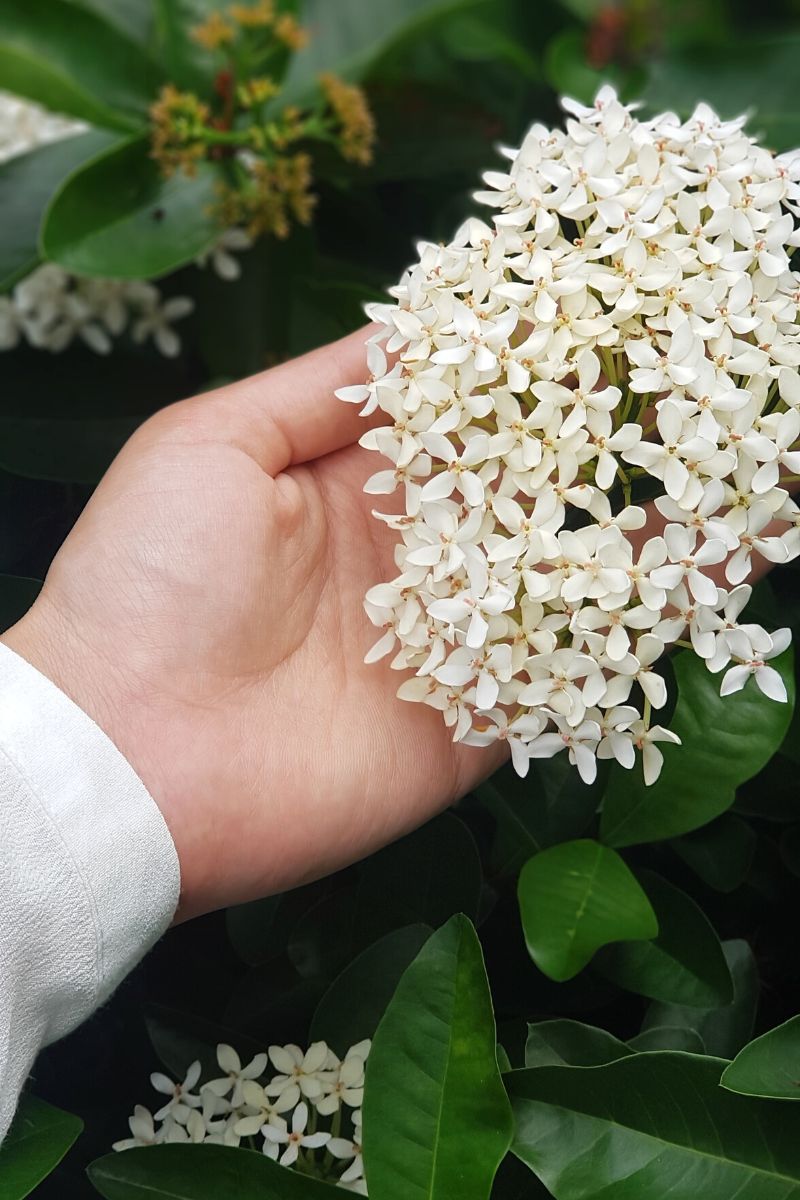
[{"x": 634, "y": 940}]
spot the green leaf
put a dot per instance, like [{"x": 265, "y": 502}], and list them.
[
  {"x": 723, "y": 1030},
  {"x": 17, "y": 594},
  {"x": 135, "y": 20},
  {"x": 571, "y": 1043},
  {"x": 186, "y": 62},
  {"x": 552, "y": 804},
  {"x": 350, "y": 36},
  {"x": 64, "y": 450},
  {"x": 425, "y": 877},
  {"x": 201, "y": 1173},
  {"x": 72, "y": 61},
  {"x": 668, "y": 1037},
  {"x": 39, "y": 1138},
  {"x": 725, "y": 740},
  {"x": 180, "y": 1038},
  {"x": 720, "y": 853},
  {"x": 371, "y": 979},
  {"x": 26, "y": 184},
  {"x": 651, "y": 1126},
  {"x": 437, "y": 1120},
  {"x": 575, "y": 898},
  {"x": 683, "y": 965},
  {"x": 117, "y": 217},
  {"x": 755, "y": 74},
  {"x": 768, "y": 1066}
]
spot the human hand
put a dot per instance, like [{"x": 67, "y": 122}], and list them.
[{"x": 206, "y": 611}]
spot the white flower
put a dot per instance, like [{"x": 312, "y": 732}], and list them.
[
  {"x": 143, "y": 1131},
  {"x": 293, "y": 1139},
  {"x": 232, "y": 1082},
  {"x": 155, "y": 323},
  {"x": 767, "y": 678},
  {"x": 181, "y": 1100},
  {"x": 300, "y": 1072},
  {"x": 345, "y": 1083},
  {"x": 220, "y": 256},
  {"x": 645, "y": 740},
  {"x": 540, "y": 387},
  {"x": 349, "y": 1150}
]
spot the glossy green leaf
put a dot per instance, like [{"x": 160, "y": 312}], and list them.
[
  {"x": 133, "y": 19},
  {"x": 201, "y": 1173},
  {"x": 755, "y": 74},
  {"x": 437, "y": 1121},
  {"x": 725, "y": 740},
  {"x": 516, "y": 1181},
  {"x": 683, "y": 965},
  {"x": 575, "y": 898},
  {"x": 72, "y": 61},
  {"x": 354, "y": 1003},
  {"x": 39, "y": 1138},
  {"x": 571, "y": 1043},
  {"x": 552, "y": 804},
  {"x": 723, "y": 1030},
  {"x": 180, "y": 1038},
  {"x": 652, "y": 1126},
  {"x": 117, "y": 217},
  {"x": 26, "y": 184},
  {"x": 424, "y": 877},
  {"x": 668, "y": 1037},
  {"x": 720, "y": 853},
  {"x": 17, "y": 594},
  {"x": 768, "y": 1066},
  {"x": 186, "y": 62},
  {"x": 351, "y": 36},
  {"x": 567, "y": 69}
]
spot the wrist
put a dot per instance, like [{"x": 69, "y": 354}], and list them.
[{"x": 103, "y": 690}]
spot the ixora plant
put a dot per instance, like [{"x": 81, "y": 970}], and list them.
[
  {"x": 146, "y": 177},
  {"x": 623, "y": 331}
]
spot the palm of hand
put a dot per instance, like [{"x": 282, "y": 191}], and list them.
[{"x": 207, "y": 611}]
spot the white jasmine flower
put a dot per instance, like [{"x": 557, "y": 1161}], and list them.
[
  {"x": 155, "y": 323},
  {"x": 350, "y": 1151},
  {"x": 300, "y": 1072},
  {"x": 232, "y": 1083},
  {"x": 181, "y": 1100},
  {"x": 220, "y": 255},
  {"x": 345, "y": 1083},
  {"x": 767, "y": 678},
  {"x": 293, "y": 1139},
  {"x": 143, "y": 1131}
]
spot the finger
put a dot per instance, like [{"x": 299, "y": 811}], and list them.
[{"x": 289, "y": 414}]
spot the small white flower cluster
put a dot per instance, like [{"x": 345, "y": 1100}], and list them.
[
  {"x": 625, "y": 327},
  {"x": 51, "y": 308},
  {"x": 24, "y": 125},
  {"x": 309, "y": 1111}
]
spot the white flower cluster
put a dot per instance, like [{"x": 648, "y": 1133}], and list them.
[
  {"x": 624, "y": 329},
  {"x": 51, "y": 308},
  {"x": 309, "y": 1111}
]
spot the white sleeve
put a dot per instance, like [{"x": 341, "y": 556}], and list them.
[{"x": 89, "y": 875}]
